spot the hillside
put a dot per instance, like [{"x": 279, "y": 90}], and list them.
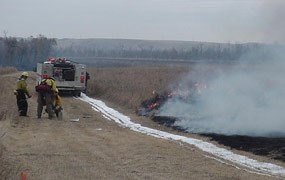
[{"x": 130, "y": 44}]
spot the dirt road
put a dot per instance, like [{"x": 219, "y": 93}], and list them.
[{"x": 97, "y": 148}]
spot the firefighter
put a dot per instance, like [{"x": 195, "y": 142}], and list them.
[
  {"x": 46, "y": 92},
  {"x": 57, "y": 107},
  {"x": 21, "y": 92},
  {"x": 86, "y": 80}
]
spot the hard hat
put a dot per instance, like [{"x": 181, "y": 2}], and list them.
[{"x": 25, "y": 74}]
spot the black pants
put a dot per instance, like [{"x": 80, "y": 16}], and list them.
[{"x": 22, "y": 104}]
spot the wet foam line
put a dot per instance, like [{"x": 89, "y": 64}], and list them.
[
  {"x": 237, "y": 167},
  {"x": 259, "y": 167}
]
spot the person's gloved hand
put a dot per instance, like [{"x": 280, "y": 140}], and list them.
[{"x": 15, "y": 92}]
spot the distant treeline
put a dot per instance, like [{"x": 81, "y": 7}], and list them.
[
  {"x": 224, "y": 52},
  {"x": 25, "y": 53}
]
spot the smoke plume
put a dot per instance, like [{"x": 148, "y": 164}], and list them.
[{"x": 244, "y": 99}]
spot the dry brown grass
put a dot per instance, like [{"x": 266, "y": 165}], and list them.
[
  {"x": 7, "y": 70},
  {"x": 129, "y": 86},
  {"x": 7, "y": 107},
  {"x": 7, "y": 110}
]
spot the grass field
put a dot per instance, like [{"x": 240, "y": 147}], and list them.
[
  {"x": 6, "y": 70},
  {"x": 129, "y": 86},
  {"x": 7, "y": 108}
]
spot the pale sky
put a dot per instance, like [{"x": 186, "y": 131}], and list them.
[{"x": 188, "y": 20}]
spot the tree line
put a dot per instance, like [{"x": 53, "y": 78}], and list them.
[
  {"x": 225, "y": 52},
  {"x": 25, "y": 53}
]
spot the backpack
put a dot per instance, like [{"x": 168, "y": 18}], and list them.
[{"x": 43, "y": 87}]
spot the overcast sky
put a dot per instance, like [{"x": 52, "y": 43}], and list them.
[{"x": 189, "y": 20}]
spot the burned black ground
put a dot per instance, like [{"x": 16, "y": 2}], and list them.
[
  {"x": 264, "y": 146},
  {"x": 273, "y": 147}
]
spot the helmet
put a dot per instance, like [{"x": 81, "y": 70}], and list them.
[
  {"x": 25, "y": 74},
  {"x": 52, "y": 78}
]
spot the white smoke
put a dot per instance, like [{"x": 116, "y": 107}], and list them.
[
  {"x": 272, "y": 26},
  {"x": 248, "y": 99}
]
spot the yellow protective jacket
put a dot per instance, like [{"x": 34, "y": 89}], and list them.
[
  {"x": 58, "y": 101},
  {"x": 51, "y": 83},
  {"x": 21, "y": 86}
]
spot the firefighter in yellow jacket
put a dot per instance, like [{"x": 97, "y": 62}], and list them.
[
  {"x": 22, "y": 93},
  {"x": 58, "y": 106},
  {"x": 46, "y": 91}
]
